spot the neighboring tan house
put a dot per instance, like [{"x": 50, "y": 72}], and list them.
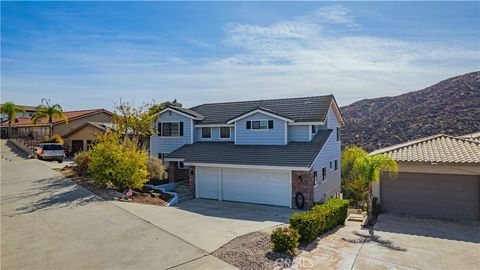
[
  {"x": 277, "y": 152},
  {"x": 439, "y": 176},
  {"x": 24, "y": 127},
  {"x": 28, "y": 112},
  {"x": 79, "y": 139}
]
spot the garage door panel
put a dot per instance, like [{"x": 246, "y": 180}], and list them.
[
  {"x": 257, "y": 186},
  {"x": 449, "y": 196},
  {"x": 207, "y": 182}
]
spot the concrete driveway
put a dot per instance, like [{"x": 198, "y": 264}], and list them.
[
  {"x": 397, "y": 243},
  {"x": 50, "y": 223},
  {"x": 209, "y": 224}
]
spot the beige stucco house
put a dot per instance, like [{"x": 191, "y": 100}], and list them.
[
  {"x": 439, "y": 176},
  {"x": 25, "y": 128}
]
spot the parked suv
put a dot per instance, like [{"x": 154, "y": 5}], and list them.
[{"x": 50, "y": 151}]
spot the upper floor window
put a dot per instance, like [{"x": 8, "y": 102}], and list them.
[
  {"x": 206, "y": 133},
  {"x": 170, "y": 129},
  {"x": 324, "y": 173},
  {"x": 315, "y": 180},
  {"x": 338, "y": 134},
  {"x": 224, "y": 132},
  {"x": 260, "y": 124},
  {"x": 314, "y": 129},
  {"x": 336, "y": 164}
]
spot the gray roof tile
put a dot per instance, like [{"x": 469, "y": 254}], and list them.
[
  {"x": 299, "y": 109},
  {"x": 294, "y": 154}
]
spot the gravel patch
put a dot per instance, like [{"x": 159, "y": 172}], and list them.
[{"x": 252, "y": 251}]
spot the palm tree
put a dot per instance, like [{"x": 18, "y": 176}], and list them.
[
  {"x": 11, "y": 111},
  {"x": 352, "y": 187},
  {"x": 51, "y": 111},
  {"x": 368, "y": 168}
]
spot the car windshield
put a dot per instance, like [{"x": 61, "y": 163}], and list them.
[{"x": 52, "y": 147}]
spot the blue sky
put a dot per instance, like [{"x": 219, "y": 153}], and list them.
[{"x": 89, "y": 54}]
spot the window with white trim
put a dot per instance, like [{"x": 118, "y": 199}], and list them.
[
  {"x": 324, "y": 173},
  {"x": 170, "y": 129},
  {"x": 260, "y": 124},
  {"x": 315, "y": 180},
  {"x": 181, "y": 165},
  {"x": 314, "y": 129},
  {"x": 338, "y": 134},
  {"x": 206, "y": 133},
  {"x": 224, "y": 132},
  {"x": 330, "y": 164},
  {"x": 336, "y": 164}
]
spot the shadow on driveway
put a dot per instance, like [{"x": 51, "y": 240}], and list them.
[
  {"x": 467, "y": 231},
  {"x": 237, "y": 210},
  {"x": 52, "y": 193}
]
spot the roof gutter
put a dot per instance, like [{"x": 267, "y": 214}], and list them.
[{"x": 241, "y": 166}]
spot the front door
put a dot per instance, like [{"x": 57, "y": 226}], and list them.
[{"x": 77, "y": 146}]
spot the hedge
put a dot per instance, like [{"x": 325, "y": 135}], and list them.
[{"x": 319, "y": 219}]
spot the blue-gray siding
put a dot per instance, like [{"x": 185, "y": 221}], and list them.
[
  {"x": 298, "y": 133},
  {"x": 215, "y": 135},
  {"x": 273, "y": 136},
  {"x": 168, "y": 144},
  {"x": 330, "y": 152}
]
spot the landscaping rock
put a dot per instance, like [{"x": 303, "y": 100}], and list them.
[{"x": 252, "y": 251}]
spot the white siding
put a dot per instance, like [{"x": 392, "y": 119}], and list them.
[{"x": 330, "y": 152}]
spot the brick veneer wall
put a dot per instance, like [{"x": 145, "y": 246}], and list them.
[
  {"x": 191, "y": 179},
  {"x": 305, "y": 186},
  {"x": 176, "y": 174},
  {"x": 172, "y": 167}
]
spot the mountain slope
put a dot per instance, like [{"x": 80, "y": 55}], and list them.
[{"x": 451, "y": 106}]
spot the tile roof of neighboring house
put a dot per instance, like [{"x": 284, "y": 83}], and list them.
[
  {"x": 473, "y": 136},
  {"x": 71, "y": 115},
  {"x": 26, "y": 108},
  {"x": 439, "y": 148},
  {"x": 304, "y": 109},
  {"x": 295, "y": 154},
  {"x": 99, "y": 125}
]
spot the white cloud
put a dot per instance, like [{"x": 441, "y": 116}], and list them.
[{"x": 297, "y": 57}]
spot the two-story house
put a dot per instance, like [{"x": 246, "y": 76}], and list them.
[{"x": 279, "y": 152}]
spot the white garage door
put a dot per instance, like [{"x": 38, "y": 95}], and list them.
[
  {"x": 208, "y": 183},
  {"x": 245, "y": 185},
  {"x": 257, "y": 186}
]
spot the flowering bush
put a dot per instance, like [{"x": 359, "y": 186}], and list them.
[{"x": 120, "y": 163}]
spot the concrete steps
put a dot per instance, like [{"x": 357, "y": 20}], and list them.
[
  {"x": 183, "y": 191},
  {"x": 11, "y": 152}
]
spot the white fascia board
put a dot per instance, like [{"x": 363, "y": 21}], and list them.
[
  {"x": 240, "y": 166},
  {"x": 175, "y": 111},
  {"x": 214, "y": 125},
  {"x": 191, "y": 131},
  {"x": 174, "y": 159},
  {"x": 262, "y": 112},
  {"x": 305, "y": 123}
]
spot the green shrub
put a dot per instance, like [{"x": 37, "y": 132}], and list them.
[
  {"x": 285, "y": 240},
  {"x": 319, "y": 219},
  {"x": 81, "y": 161},
  {"x": 120, "y": 163},
  {"x": 156, "y": 169}
]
